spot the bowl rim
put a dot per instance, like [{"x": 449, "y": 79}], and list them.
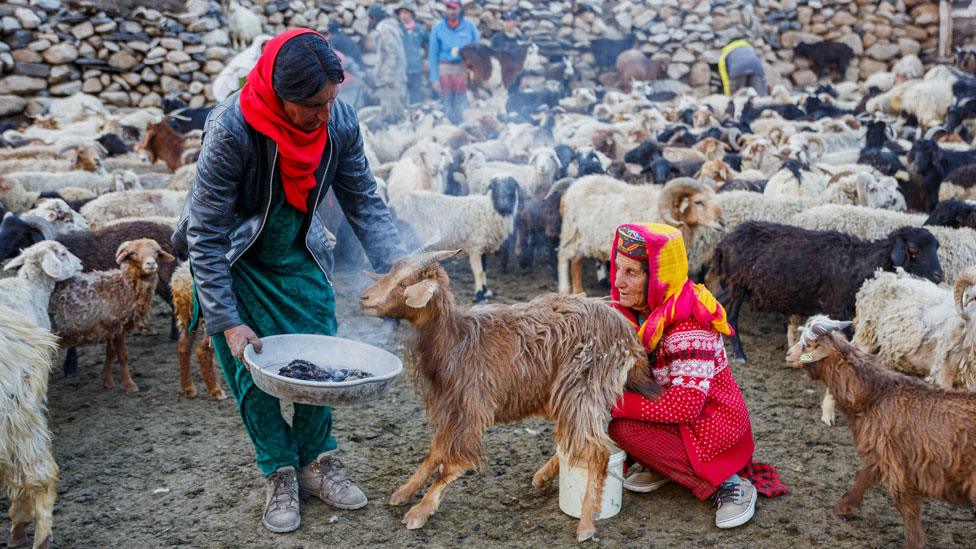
[{"x": 249, "y": 353}]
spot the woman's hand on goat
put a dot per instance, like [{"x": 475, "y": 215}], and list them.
[{"x": 238, "y": 338}]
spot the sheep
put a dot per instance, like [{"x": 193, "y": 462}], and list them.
[
  {"x": 116, "y": 205},
  {"x": 632, "y": 65},
  {"x": 594, "y": 205},
  {"x": 244, "y": 25},
  {"x": 908, "y": 67},
  {"x": 564, "y": 358},
  {"x": 104, "y": 305},
  {"x": 162, "y": 142},
  {"x": 20, "y": 231},
  {"x": 182, "y": 180},
  {"x": 953, "y": 213},
  {"x": 478, "y": 174},
  {"x": 797, "y": 272},
  {"x": 917, "y": 439},
  {"x": 478, "y": 224},
  {"x": 538, "y": 223},
  {"x": 424, "y": 167},
  {"x": 63, "y": 219},
  {"x": 28, "y": 472},
  {"x": 55, "y": 181},
  {"x": 39, "y": 268},
  {"x": 959, "y": 183},
  {"x": 957, "y": 247},
  {"x": 82, "y": 158},
  {"x": 182, "y": 288}
]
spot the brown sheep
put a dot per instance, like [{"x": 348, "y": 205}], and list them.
[
  {"x": 104, "y": 305},
  {"x": 917, "y": 439},
  {"x": 633, "y": 65},
  {"x": 564, "y": 358},
  {"x": 162, "y": 142},
  {"x": 182, "y": 288}
]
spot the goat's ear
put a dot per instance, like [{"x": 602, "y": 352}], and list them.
[
  {"x": 51, "y": 265},
  {"x": 898, "y": 253},
  {"x": 420, "y": 293}
]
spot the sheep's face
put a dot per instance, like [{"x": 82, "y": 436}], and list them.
[
  {"x": 143, "y": 254},
  {"x": 922, "y": 156},
  {"x": 916, "y": 250},
  {"x": 882, "y": 194},
  {"x": 52, "y": 257},
  {"x": 504, "y": 193},
  {"x": 405, "y": 291},
  {"x": 58, "y": 213}
]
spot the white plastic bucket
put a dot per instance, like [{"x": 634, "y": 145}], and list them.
[{"x": 572, "y": 486}]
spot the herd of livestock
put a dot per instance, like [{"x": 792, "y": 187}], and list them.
[{"x": 853, "y": 200}]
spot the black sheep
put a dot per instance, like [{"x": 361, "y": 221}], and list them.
[
  {"x": 606, "y": 50},
  {"x": 929, "y": 165},
  {"x": 743, "y": 185},
  {"x": 958, "y": 114},
  {"x": 878, "y": 151},
  {"x": 96, "y": 250},
  {"x": 19, "y": 232},
  {"x": 788, "y": 111},
  {"x": 817, "y": 109},
  {"x": 734, "y": 160},
  {"x": 793, "y": 271},
  {"x": 953, "y": 213},
  {"x": 183, "y": 118},
  {"x": 862, "y": 105},
  {"x": 825, "y": 54},
  {"x": 644, "y": 153},
  {"x": 113, "y": 144}
]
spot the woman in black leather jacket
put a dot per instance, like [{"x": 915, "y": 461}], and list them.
[{"x": 254, "y": 230}]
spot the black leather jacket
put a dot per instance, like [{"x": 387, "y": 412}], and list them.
[{"x": 228, "y": 203}]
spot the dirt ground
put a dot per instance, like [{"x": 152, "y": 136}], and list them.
[{"x": 157, "y": 470}]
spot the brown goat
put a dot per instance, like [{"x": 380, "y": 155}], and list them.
[
  {"x": 917, "y": 439},
  {"x": 564, "y": 358},
  {"x": 181, "y": 284},
  {"x": 633, "y": 65},
  {"x": 162, "y": 142}
]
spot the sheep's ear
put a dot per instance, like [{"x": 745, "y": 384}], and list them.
[
  {"x": 51, "y": 265},
  {"x": 14, "y": 263},
  {"x": 165, "y": 257},
  {"x": 420, "y": 293},
  {"x": 124, "y": 251},
  {"x": 51, "y": 216},
  {"x": 898, "y": 253}
]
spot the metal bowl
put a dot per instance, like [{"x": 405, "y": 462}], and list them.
[{"x": 322, "y": 350}]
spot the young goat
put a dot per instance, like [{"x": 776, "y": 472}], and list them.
[
  {"x": 27, "y": 468},
  {"x": 564, "y": 358},
  {"x": 920, "y": 441},
  {"x": 182, "y": 288}
]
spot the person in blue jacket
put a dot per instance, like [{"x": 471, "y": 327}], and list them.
[{"x": 447, "y": 76}]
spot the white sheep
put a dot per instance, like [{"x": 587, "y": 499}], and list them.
[
  {"x": 53, "y": 181},
  {"x": 40, "y": 267},
  {"x": 594, "y": 205},
  {"x": 478, "y": 224},
  {"x": 908, "y": 67},
  {"x": 244, "y": 25},
  {"x": 117, "y": 205},
  {"x": 104, "y": 305},
  {"x": 62, "y": 218},
  {"x": 918, "y": 328},
  {"x": 28, "y": 472},
  {"x": 423, "y": 167}
]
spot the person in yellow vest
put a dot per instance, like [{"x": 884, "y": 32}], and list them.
[{"x": 740, "y": 67}]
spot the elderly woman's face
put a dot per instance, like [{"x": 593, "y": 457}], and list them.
[
  {"x": 630, "y": 279},
  {"x": 312, "y": 114}
]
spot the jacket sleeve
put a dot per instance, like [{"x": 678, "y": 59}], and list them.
[
  {"x": 210, "y": 217},
  {"x": 433, "y": 53},
  {"x": 368, "y": 215},
  {"x": 682, "y": 402}
]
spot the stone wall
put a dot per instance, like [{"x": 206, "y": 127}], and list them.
[{"x": 55, "y": 48}]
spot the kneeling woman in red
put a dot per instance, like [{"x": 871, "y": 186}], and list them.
[{"x": 698, "y": 432}]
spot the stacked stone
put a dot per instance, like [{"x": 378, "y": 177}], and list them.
[{"x": 51, "y": 49}]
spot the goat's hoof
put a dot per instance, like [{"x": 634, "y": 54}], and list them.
[
  {"x": 219, "y": 394},
  {"x": 190, "y": 392},
  {"x": 827, "y": 419},
  {"x": 583, "y": 534},
  {"x": 107, "y": 384},
  {"x": 416, "y": 518},
  {"x": 845, "y": 509},
  {"x": 539, "y": 480},
  {"x": 131, "y": 388},
  {"x": 46, "y": 544},
  {"x": 397, "y": 499},
  {"x": 18, "y": 535}
]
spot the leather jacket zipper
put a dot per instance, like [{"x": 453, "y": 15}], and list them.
[
  {"x": 267, "y": 210},
  {"x": 318, "y": 195}
]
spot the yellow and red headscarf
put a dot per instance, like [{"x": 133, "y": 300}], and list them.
[{"x": 671, "y": 296}]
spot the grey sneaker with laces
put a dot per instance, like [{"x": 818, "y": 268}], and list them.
[
  {"x": 281, "y": 510},
  {"x": 736, "y": 502},
  {"x": 323, "y": 478}
]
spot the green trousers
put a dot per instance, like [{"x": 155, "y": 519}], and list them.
[{"x": 280, "y": 290}]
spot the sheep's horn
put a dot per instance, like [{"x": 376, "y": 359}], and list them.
[
  {"x": 673, "y": 189},
  {"x": 931, "y": 134},
  {"x": 41, "y": 224},
  {"x": 965, "y": 279}
]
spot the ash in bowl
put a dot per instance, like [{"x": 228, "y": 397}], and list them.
[{"x": 305, "y": 370}]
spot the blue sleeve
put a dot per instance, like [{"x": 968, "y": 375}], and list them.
[
  {"x": 433, "y": 52},
  {"x": 474, "y": 33}
]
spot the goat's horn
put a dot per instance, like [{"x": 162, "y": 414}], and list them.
[
  {"x": 429, "y": 258},
  {"x": 43, "y": 225},
  {"x": 965, "y": 279},
  {"x": 374, "y": 276}
]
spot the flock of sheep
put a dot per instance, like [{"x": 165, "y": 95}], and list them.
[{"x": 851, "y": 200}]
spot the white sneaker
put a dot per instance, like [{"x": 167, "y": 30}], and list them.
[
  {"x": 736, "y": 502},
  {"x": 644, "y": 480}
]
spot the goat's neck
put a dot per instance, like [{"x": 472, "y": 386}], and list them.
[
  {"x": 437, "y": 323},
  {"x": 847, "y": 384}
]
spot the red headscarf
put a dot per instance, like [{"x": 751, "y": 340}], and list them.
[
  {"x": 671, "y": 297},
  {"x": 300, "y": 152}
]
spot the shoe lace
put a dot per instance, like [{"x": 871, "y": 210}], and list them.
[
  {"x": 727, "y": 492},
  {"x": 331, "y": 469},
  {"x": 284, "y": 491}
]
